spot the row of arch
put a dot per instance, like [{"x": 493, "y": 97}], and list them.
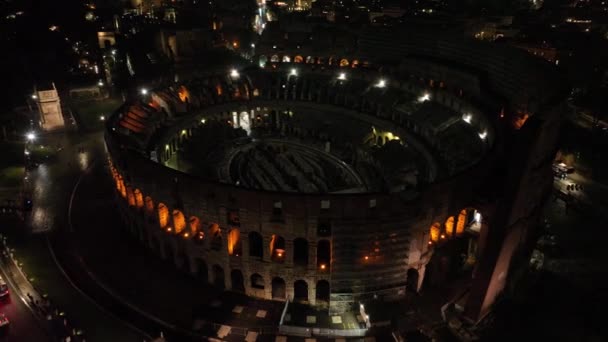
[
  {"x": 192, "y": 229},
  {"x": 256, "y": 282},
  {"x": 332, "y": 60},
  {"x": 454, "y": 226}
]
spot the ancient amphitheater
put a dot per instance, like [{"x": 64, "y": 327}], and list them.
[{"x": 334, "y": 179}]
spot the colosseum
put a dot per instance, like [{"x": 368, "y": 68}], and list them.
[{"x": 335, "y": 178}]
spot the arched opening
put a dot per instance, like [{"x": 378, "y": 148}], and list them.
[
  {"x": 257, "y": 281},
  {"x": 256, "y": 245},
  {"x": 412, "y": 280},
  {"x": 286, "y": 59},
  {"x": 130, "y": 197},
  {"x": 120, "y": 184},
  {"x": 300, "y": 291},
  {"x": 238, "y": 284},
  {"x": 332, "y": 60},
  {"x": 355, "y": 63},
  {"x": 277, "y": 248},
  {"x": 344, "y": 62},
  {"x": 218, "y": 276},
  {"x": 298, "y": 59},
  {"x": 460, "y": 224},
  {"x": 139, "y": 198},
  {"x": 234, "y": 242},
  {"x": 322, "y": 292},
  {"x": 278, "y": 288},
  {"x": 310, "y": 60},
  {"x": 195, "y": 226},
  {"x": 179, "y": 221},
  {"x": 449, "y": 226},
  {"x": 163, "y": 215},
  {"x": 216, "y": 236},
  {"x": 274, "y": 58},
  {"x": 435, "y": 232},
  {"x": 300, "y": 252},
  {"x": 323, "y": 255},
  {"x": 149, "y": 205},
  {"x": 202, "y": 272}
]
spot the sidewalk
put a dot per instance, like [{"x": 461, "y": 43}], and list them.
[{"x": 50, "y": 318}]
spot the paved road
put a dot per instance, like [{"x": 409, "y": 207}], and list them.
[
  {"x": 51, "y": 185},
  {"x": 24, "y": 325}
]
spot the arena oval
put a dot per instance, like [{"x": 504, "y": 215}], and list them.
[{"x": 305, "y": 247}]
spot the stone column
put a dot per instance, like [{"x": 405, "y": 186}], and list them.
[
  {"x": 227, "y": 278},
  {"x": 266, "y": 248},
  {"x": 289, "y": 290},
  {"x": 289, "y": 253},
  {"x": 421, "y": 271},
  {"x": 312, "y": 256},
  {"x": 312, "y": 293}
]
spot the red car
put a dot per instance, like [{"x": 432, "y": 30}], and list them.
[
  {"x": 4, "y": 322},
  {"x": 3, "y": 288}
]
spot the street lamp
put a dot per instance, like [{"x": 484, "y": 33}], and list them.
[
  {"x": 293, "y": 72},
  {"x": 31, "y": 136},
  {"x": 234, "y": 73},
  {"x": 34, "y": 96},
  {"x": 342, "y": 76},
  {"x": 144, "y": 91}
]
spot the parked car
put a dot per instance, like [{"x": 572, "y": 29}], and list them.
[
  {"x": 3, "y": 288},
  {"x": 4, "y": 322}
]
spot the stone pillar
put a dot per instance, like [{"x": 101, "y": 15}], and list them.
[
  {"x": 312, "y": 256},
  {"x": 312, "y": 293},
  {"x": 267, "y": 285},
  {"x": 266, "y": 249},
  {"x": 245, "y": 246},
  {"x": 289, "y": 290},
  {"x": 289, "y": 253},
  {"x": 227, "y": 278}
]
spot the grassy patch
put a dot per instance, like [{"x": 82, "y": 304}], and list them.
[
  {"x": 11, "y": 176},
  {"x": 11, "y": 164},
  {"x": 87, "y": 113}
]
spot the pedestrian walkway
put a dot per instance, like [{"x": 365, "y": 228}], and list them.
[{"x": 53, "y": 320}]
